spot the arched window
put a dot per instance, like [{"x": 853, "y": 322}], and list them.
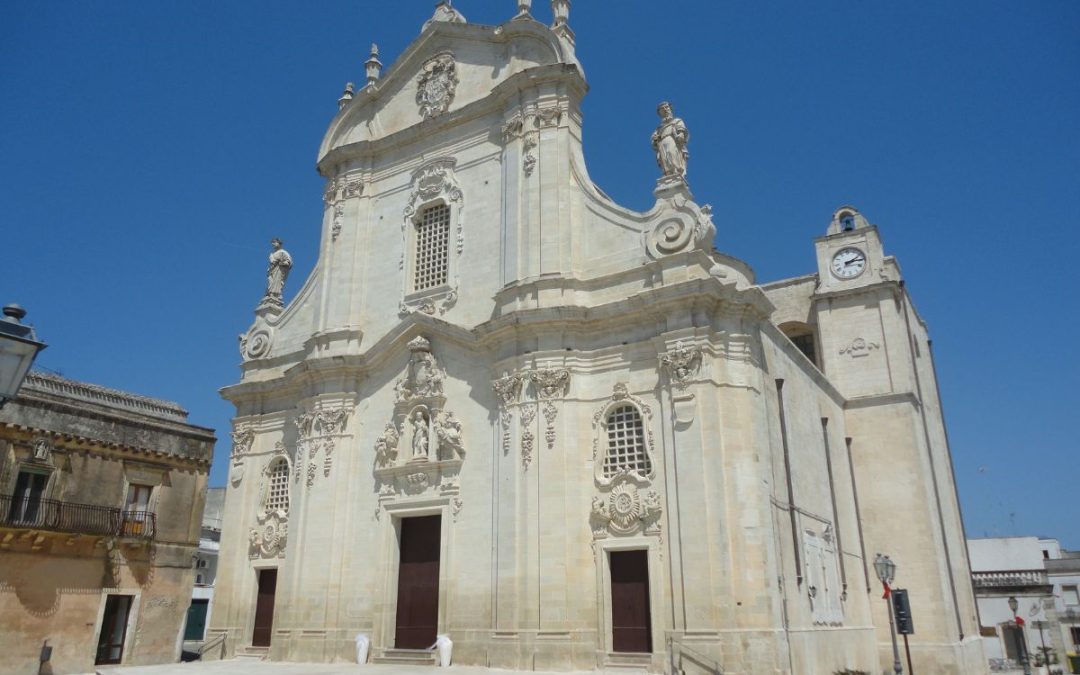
[
  {"x": 847, "y": 222},
  {"x": 277, "y": 489},
  {"x": 626, "y": 442},
  {"x": 432, "y": 256},
  {"x": 803, "y": 336}
]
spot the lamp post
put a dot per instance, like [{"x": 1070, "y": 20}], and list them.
[
  {"x": 886, "y": 572},
  {"x": 1019, "y": 623},
  {"x": 18, "y": 347}
]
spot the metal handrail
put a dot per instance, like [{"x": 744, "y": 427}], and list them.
[
  {"x": 33, "y": 513},
  {"x": 218, "y": 639},
  {"x": 704, "y": 661}
]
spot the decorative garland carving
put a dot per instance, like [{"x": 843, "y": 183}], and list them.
[
  {"x": 528, "y": 414},
  {"x": 243, "y": 436},
  {"x": 682, "y": 364},
  {"x": 508, "y": 390},
  {"x": 256, "y": 343},
  {"x": 318, "y": 430},
  {"x": 432, "y": 183},
  {"x": 436, "y": 85},
  {"x": 859, "y": 347}
]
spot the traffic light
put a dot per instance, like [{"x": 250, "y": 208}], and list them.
[{"x": 902, "y": 611}]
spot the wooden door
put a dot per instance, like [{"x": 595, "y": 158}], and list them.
[
  {"x": 113, "y": 629},
  {"x": 630, "y": 625},
  {"x": 418, "y": 583},
  {"x": 264, "y": 608},
  {"x": 195, "y": 628}
]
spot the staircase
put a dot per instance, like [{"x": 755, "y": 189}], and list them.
[{"x": 406, "y": 657}]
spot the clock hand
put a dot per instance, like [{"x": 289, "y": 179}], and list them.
[{"x": 853, "y": 260}]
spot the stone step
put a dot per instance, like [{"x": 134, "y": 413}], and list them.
[
  {"x": 627, "y": 663},
  {"x": 253, "y": 653},
  {"x": 410, "y": 657}
]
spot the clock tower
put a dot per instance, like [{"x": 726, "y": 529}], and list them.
[{"x": 850, "y": 254}]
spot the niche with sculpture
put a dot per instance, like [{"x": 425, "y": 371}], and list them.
[{"x": 421, "y": 446}]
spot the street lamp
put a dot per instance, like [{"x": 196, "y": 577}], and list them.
[
  {"x": 1013, "y": 605},
  {"x": 886, "y": 572},
  {"x": 18, "y": 347}
]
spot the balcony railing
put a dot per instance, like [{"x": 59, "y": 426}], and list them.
[
  {"x": 50, "y": 514},
  {"x": 1009, "y": 579}
]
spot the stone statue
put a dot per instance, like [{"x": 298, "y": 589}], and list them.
[
  {"x": 669, "y": 141},
  {"x": 277, "y": 273},
  {"x": 449, "y": 433},
  {"x": 420, "y": 439}
]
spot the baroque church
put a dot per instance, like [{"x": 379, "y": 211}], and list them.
[{"x": 566, "y": 434}]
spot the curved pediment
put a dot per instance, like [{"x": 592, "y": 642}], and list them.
[{"x": 448, "y": 67}]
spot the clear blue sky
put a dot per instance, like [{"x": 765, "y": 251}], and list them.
[{"x": 148, "y": 152}]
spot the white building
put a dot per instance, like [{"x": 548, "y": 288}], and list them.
[
  {"x": 206, "y": 563},
  {"x": 1043, "y": 579},
  {"x": 565, "y": 433}
]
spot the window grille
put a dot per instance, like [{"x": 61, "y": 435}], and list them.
[
  {"x": 432, "y": 248},
  {"x": 277, "y": 497},
  {"x": 626, "y": 442}
]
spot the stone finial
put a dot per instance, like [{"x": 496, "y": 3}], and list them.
[
  {"x": 669, "y": 141},
  {"x": 523, "y": 7},
  {"x": 373, "y": 66},
  {"x": 560, "y": 10},
  {"x": 346, "y": 95},
  {"x": 444, "y": 11}
]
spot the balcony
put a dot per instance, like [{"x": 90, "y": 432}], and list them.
[
  {"x": 1011, "y": 581},
  {"x": 51, "y": 515}
]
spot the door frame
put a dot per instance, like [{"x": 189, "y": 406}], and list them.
[
  {"x": 132, "y": 622},
  {"x": 256, "y": 568},
  {"x": 651, "y": 546},
  {"x": 385, "y": 628}
]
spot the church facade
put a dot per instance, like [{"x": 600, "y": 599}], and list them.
[{"x": 566, "y": 434}]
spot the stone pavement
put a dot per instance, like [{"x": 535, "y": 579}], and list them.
[{"x": 253, "y": 667}]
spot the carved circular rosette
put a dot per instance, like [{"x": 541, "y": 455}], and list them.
[
  {"x": 258, "y": 343},
  {"x": 624, "y": 507},
  {"x": 671, "y": 236}
]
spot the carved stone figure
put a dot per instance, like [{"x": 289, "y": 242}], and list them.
[
  {"x": 669, "y": 141},
  {"x": 421, "y": 442},
  {"x": 386, "y": 446},
  {"x": 551, "y": 382},
  {"x": 448, "y": 430},
  {"x": 276, "y": 274}
]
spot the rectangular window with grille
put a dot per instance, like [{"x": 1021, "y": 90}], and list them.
[
  {"x": 626, "y": 443},
  {"x": 432, "y": 263}
]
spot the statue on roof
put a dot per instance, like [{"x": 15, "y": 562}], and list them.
[
  {"x": 276, "y": 274},
  {"x": 669, "y": 141}
]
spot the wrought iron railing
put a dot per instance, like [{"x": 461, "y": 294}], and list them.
[{"x": 58, "y": 516}]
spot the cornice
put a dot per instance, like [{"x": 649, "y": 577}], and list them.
[
  {"x": 893, "y": 286},
  {"x": 894, "y": 398},
  {"x": 74, "y": 442}
]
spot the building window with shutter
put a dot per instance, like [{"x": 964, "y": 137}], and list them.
[
  {"x": 431, "y": 267},
  {"x": 626, "y": 449},
  {"x": 277, "y": 490}
]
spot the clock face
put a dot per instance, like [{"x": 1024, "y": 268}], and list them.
[{"x": 848, "y": 263}]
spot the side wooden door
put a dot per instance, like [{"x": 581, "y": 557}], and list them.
[
  {"x": 264, "y": 608},
  {"x": 418, "y": 583},
  {"x": 630, "y": 625}
]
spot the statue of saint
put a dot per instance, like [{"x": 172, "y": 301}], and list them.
[
  {"x": 277, "y": 272},
  {"x": 420, "y": 435},
  {"x": 669, "y": 142}
]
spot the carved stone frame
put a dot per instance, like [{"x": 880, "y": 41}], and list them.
[
  {"x": 278, "y": 519},
  {"x": 389, "y": 543},
  {"x": 620, "y": 396},
  {"x": 433, "y": 183}
]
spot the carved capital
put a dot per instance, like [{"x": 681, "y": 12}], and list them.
[{"x": 682, "y": 364}]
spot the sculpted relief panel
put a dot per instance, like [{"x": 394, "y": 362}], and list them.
[{"x": 422, "y": 446}]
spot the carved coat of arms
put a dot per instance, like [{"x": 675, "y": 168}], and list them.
[{"x": 435, "y": 85}]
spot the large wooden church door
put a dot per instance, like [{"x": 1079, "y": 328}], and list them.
[
  {"x": 418, "y": 583},
  {"x": 264, "y": 608},
  {"x": 630, "y": 625}
]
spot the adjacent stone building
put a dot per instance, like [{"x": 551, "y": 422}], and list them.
[
  {"x": 101, "y": 494},
  {"x": 568, "y": 434}
]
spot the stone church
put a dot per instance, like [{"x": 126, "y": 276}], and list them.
[{"x": 567, "y": 434}]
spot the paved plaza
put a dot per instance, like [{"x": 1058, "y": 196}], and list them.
[{"x": 253, "y": 667}]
